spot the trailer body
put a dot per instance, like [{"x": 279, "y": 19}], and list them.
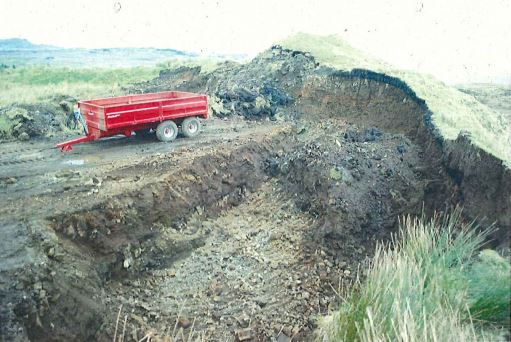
[{"x": 125, "y": 114}]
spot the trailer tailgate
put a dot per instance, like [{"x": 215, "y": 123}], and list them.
[{"x": 94, "y": 115}]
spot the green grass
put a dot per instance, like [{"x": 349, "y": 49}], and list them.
[
  {"x": 35, "y": 84},
  {"x": 494, "y": 96},
  {"x": 452, "y": 111},
  {"x": 488, "y": 289},
  {"x": 430, "y": 284}
]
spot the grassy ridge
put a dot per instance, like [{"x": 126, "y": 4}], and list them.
[
  {"x": 40, "y": 84},
  {"x": 431, "y": 284},
  {"x": 452, "y": 110}
]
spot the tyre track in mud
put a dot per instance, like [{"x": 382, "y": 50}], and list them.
[{"x": 13, "y": 154}]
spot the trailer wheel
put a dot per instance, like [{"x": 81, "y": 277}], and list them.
[
  {"x": 166, "y": 131},
  {"x": 190, "y": 127}
]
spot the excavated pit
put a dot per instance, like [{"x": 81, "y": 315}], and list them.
[
  {"x": 256, "y": 237},
  {"x": 321, "y": 205}
]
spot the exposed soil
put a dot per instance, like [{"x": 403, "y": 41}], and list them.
[
  {"x": 25, "y": 121},
  {"x": 246, "y": 232}
]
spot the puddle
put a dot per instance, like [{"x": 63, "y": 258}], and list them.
[{"x": 74, "y": 162}]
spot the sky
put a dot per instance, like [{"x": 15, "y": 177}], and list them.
[{"x": 455, "y": 40}]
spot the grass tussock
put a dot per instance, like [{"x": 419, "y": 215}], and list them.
[
  {"x": 430, "y": 284},
  {"x": 452, "y": 110}
]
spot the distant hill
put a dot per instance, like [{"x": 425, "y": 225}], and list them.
[
  {"x": 12, "y": 44},
  {"x": 22, "y": 52}
]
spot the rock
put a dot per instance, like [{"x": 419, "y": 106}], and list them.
[
  {"x": 283, "y": 338},
  {"x": 243, "y": 334},
  {"x": 401, "y": 149},
  {"x": 137, "y": 252},
  {"x": 273, "y": 236},
  {"x": 287, "y": 331},
  {"x": 144, "y": 306},
  {"x": 11, "y": 180},
  {"x": 138, "y": 319},
  {"x": 42, "y": 294},
  {"x": 24, "y": 136},
  {"x": 51, "y": 252},
  {"x": 59, "y": 256},
  {"x": 217, "y": 107},
  {"x": 261, "y": 301},
  {"x": 371, "y": 134},
  {"x": 243, "y": 320},
  {"x": 334, "y": 174},
  {"x": 260, "y": 106},
  {"x": 183, "y": 322},
  {"x": 300, "y": 129}
]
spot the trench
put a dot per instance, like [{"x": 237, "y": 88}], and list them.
[
  {"x": 239, "y": 235},
  {"x": 259, "y": 237}
]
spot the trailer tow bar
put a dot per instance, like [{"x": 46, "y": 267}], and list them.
[{"x": 66, "y": 146}]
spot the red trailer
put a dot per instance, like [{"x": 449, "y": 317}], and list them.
[{"x": 163, "y": 112}]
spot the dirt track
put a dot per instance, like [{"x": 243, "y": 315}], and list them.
[
  {"x": 39, "y": 170},
  {"x": 250, "y": 229}
]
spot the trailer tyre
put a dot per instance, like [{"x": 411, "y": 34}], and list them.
[
  {"x": 190, "y": 127},
  {"x": 166, "y": 131}
]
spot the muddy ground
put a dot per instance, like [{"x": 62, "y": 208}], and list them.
[{"x": 247, "y": 232}]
